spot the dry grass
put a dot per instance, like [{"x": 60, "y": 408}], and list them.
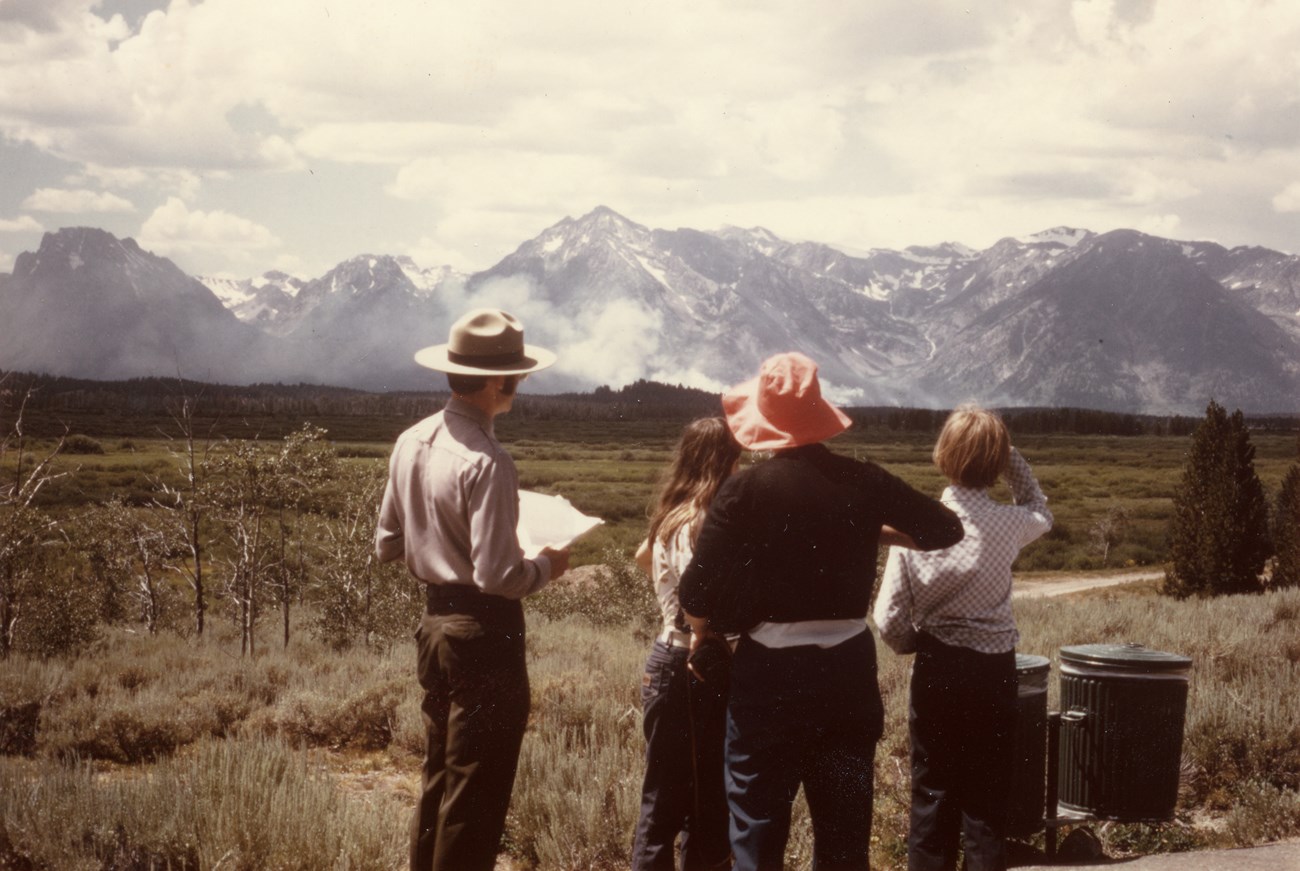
[{"x": 175, "y": 753}]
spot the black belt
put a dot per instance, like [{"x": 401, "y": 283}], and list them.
[{"x": 465, "y": 599}]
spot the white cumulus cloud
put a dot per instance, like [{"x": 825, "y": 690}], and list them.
[
  {"x": 1288, "y": 200},
  {"x": 473, "y": 125},
  {"x": 175, "y": 228},
  {"x": 22, "y": 224},
  {"x": 76, "y": 201}
]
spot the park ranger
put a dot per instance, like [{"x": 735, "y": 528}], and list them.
[{"x": 451, "y": 510}]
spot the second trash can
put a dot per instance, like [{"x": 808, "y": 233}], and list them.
[
  {"x": 1122, "y": 713},
  {"x": 1029, "y": 767}
]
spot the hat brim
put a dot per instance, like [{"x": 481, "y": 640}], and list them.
[
  {"x": 437, "y": 357},
  {"x": 817, "y": 422}
]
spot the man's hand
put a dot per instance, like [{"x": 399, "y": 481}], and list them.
[{"x": 559, "y": 560}]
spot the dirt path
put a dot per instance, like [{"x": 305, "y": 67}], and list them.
[{"x": 1060, "y": 585}]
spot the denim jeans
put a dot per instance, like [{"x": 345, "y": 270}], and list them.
[
  {"x": 807, "y": 716},
  {"x": 683, "y": 792},
  {"x": 962, "y": 722}
]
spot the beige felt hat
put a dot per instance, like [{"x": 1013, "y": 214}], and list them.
[{"x": 485, "y": 342}]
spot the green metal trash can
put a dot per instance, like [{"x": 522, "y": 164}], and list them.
[
  {"x": 1122, "y": 713},
  {"x": 1029, "y": 764}
]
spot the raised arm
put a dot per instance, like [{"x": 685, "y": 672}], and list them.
[{"x": 1029, "y": 496}]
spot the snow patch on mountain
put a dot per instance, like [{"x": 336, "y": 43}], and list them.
[
  {"x": 1013, "y": 323},
  {"x": 1066, "y": 237}
]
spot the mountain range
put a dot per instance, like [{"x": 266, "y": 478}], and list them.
[{"x": 1116, "y": 321}]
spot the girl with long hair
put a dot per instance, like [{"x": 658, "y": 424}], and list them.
[{"x": 684, "y": 713}]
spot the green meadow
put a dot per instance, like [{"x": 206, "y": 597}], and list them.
[
  {"x": 609, "y": 469},
  {"x": 139, "y": 750}
]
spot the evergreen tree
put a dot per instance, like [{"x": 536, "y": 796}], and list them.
[
  {"x": 1219, "y": 540},
  {"x": 1286, "y": 530}
]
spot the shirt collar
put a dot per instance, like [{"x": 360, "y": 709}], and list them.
[
  {"x": 473, "y": 412},
  {"x": 955, "y": 494}
]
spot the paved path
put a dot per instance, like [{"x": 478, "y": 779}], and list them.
[
  {"x": 1283, "y": 856},
  {"x": 1060, "y": 585}
]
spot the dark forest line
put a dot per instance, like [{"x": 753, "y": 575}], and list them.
[{"x": 53, "y": 405}]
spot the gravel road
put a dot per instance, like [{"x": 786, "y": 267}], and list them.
[{"x": 1060, "y": 585}]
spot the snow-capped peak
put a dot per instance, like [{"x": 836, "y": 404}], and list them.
[{"x": 1066, "y": 237}]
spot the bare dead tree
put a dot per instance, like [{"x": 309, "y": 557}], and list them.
[
  {"x": 23, "y": 525},
  {"x": 1108, "y": 531},
  {"x": 189, "y": 505}
]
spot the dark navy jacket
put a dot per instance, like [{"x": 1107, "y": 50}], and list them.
[{"x": 795, "y": 538}]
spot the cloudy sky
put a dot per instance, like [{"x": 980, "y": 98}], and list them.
[{"x": 236, "y": 136}]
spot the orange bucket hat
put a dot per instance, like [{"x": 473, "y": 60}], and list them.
[{"x": 782, "y": 407}]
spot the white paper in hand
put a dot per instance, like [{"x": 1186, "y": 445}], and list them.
[{"x": 550, "y": 521}]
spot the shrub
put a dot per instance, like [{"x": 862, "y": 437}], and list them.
[
  {"x": 619, "y": 594},
  {"x": 362, "y": 719},
  {"x": 1261, "y": 812},
  {"x": 578, "y": 792},
  {"x": 119, "y": 727},
  {"x": 25, "y": 686},
  {"x": 230, "y": 804},
  {"x": 81, "y": 444},
  {"x": 60, "y": 617}
]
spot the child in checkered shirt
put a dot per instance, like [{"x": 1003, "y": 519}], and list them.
[{"x": 952, "y": 608}]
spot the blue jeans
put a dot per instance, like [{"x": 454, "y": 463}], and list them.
[
  {"x": 803, "y": 716},
  {"x": 685, "y": 722}
]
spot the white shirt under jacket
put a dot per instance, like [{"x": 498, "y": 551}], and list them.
[
  {"x": 451, "y": 507},
  {"x": 961, "y": 595},
  {"x": 667, "y": 562}
]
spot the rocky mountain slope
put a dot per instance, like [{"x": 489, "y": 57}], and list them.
[{"x": 1118, "y": 321}]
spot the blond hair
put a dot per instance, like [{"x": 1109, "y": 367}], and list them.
[{"x": 974, "y": 447}]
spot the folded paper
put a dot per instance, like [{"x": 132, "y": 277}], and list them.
[{"x": 550, "y": 521}]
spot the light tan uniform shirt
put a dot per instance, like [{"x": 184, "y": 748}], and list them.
[{"x": 451, "y": 507}]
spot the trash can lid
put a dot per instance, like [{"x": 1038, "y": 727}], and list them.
[
  {"x": 1130, "y": 657},
  {"x": 1027, "y": 663}
]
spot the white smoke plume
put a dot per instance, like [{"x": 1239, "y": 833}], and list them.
[{"x": 613, "y": 345}]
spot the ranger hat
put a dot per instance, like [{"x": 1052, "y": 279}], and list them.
[{"x": 485, "y": 342}]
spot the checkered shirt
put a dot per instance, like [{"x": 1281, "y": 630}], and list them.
[{"x": 962, "y": 595}]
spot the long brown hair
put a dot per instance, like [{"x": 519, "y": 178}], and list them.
[{"x": 705, "y": 456}]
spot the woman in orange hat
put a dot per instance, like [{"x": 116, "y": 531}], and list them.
[{"x": 787, "y": 557}]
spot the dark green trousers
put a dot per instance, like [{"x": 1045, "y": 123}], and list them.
[{"x": 475, "y": 677}]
